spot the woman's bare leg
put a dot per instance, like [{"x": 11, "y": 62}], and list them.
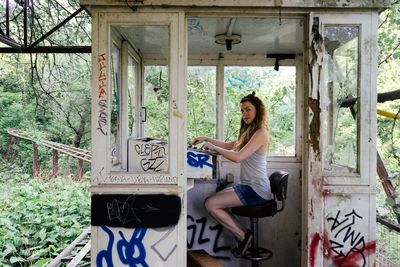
[{"x": 216, "y": 205}]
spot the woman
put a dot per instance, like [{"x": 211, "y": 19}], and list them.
[{"x": 250, "y": 150}]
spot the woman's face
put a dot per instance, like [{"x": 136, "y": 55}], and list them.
[{"x": 248, "y": 112}]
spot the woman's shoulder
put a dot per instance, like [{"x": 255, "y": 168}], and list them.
[{"x": 262, "y": 130}]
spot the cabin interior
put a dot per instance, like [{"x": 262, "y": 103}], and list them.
[{"x": 161, "y": 78}]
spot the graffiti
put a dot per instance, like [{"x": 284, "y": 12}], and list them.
[
  {"x": 167, "y": 238},
  {"x": 125, "y": 211},
  {"x": 102, "y": 90},
  {"x": 131, "y": 211},
  {"x": 154, "y": 156},
  {"x": 346, "y": 237},
  {"x": 313, "y": 248},
  {"x": 99, "y": 176},
  {"x": 106, "y": 254},
  {"x": 127, "y": 249},
  {"x": 198, "y": 160},
  {"x": 137, "y": 179},
  {"x": 130, "y": 252},
  {"x": 102, "y": 75},
  {"x": 102, "y": 117},
  {"x": 195, "y": 230}
]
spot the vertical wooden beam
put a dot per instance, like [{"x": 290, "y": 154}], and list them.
[
  {"x": 35, "y": 160},
  {"x": 80, "y": 170},
  {"x": 7, "y": 152},
  {"x": 55, "y": 162}
]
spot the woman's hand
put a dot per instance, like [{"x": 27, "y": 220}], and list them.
[
  {"x": 209, "y": 146},
  {"x": 199, "y": 139}
]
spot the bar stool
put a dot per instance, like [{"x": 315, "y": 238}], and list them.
[{"x": 278, "y": 181}]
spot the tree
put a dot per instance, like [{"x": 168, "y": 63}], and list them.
[{"x": 59, "y": 83}]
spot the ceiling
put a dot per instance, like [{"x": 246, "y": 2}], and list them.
[{"x": 268, "y": 35}]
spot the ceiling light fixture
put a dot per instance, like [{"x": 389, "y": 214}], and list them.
[{"x": 228, "y": 40}]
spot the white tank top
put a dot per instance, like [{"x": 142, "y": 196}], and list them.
[{"x": 253, "y": 172}]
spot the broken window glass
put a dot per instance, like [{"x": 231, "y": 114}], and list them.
[{"x": 340, "y": 105}]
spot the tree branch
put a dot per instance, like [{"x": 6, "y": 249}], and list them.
[{"x": 390, "y": 55}]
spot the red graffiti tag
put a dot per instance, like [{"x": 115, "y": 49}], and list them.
[
  {"x": 355, "y": 255},
  {"x": 102, "y": 75},
  {"x": 313, "y": 248}
]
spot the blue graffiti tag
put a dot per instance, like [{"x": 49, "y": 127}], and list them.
[
  {"x": 126, "y": 250},
  {"x": 198, "y": 160},
  {"x": 106, "y": 254}
]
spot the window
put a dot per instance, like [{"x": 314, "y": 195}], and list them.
[
  {"x": 156, "y": 99},
  {"x": 116, "y": 108},
  {"x": 339, "y": 101},
  {"x": 201, "y": 104},
  {"x": 277, "y": 90}
]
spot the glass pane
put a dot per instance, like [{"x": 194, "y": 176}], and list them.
[
  {"x": 339, "y": 99},
  {"x": 115, "y": 109},
  {"x": 201, "y": 105},
  {"x": 277, "y": 90},
  {"x": 132, "y": 70},
  {"x": 156, "y": 96},
  {"x": 149, "y": 153}
]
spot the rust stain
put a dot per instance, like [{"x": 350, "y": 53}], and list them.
[
  {"x": 316, "y": 50},
  {"x": 314, "y": 105}
]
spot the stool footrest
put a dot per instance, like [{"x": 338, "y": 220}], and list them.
[{"x": 258, "y": 254}]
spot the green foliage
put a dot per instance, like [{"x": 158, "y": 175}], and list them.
[
  {"x": 388, "y": 130},
  {"x": 156, "y": 102},
  {"x": 53, "y": 104},
  {"x": 39, "y": 218},
  {"x": 201, "y": 104}
]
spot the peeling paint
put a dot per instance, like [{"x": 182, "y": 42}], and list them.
[
  {"x": 314, "y": 105},
  {"x": 315, "y": 66},
  {"x": 311, "y": 213}
]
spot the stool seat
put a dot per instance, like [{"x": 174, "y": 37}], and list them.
[{"x": 266, "y": 209}]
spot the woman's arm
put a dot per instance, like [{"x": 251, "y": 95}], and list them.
[
  {"x": 215, "y": 142},
  {"x": 258, "y": 140}
]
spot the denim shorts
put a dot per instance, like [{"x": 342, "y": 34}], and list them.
[{"x": 247, "y": 195}]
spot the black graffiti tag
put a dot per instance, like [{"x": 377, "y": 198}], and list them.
[
  {"x": 102, "y": 116},
  {"x": 154, "y": 156},
  {"x": 346, "y": 236},
  {"x": 194, "y": 226}
]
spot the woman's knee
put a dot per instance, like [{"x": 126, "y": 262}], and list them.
[{"x": 209, "y": 204}]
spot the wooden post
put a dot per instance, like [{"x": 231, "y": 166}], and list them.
[
  {"x": 35, "y": 160},
  {"x": 10, "y": 141},
  {"x": 55, "y": 162},
  {"x": 80, "y": 170}
]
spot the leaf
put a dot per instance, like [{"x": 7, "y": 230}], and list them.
[
  {"x": 42, "y": 262},
  {"x": 42, "y": 234},
  {"x": 11, "y": 247},
  {"x": 16, "y": 259}
]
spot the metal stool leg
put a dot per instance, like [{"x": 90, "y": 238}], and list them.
[
  {"x": 254, "y": 243},
  {"x": 255, "y": 253}
]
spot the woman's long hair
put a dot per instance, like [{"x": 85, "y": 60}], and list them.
[{"x": 247, "y": 130}]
